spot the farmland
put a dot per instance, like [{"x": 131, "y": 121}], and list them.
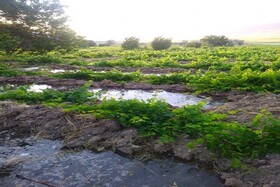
[{"x": 232, "y": 126}]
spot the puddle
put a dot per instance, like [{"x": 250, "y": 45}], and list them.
[
  {"x": 101, "y": 71},
  {"x": 174, "y": 99},
  {"x": 61, "y": 71},
  {"x": 38, "y": 88},
  {"x": 30, "y": 69},
  {"x": 57, "y": 71},
  {"x": 44, "y": 163}
]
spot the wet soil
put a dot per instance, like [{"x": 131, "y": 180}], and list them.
[
  {"x": 85, "y": 132},
  {"x": 145, "y": 70}
]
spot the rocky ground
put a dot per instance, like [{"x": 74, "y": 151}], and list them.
[{"x": 86, "y": 132}]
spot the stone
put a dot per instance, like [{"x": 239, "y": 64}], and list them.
[
  {"x": 160, "y": 148},
  {"x": 182, "y": 153},
  {"x": 232, "y": 182},
  {"x": 267, "y": 185}
]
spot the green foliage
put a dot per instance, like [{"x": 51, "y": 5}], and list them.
[
  {"x": 236, "y": 79},
  {"x": 113, "y": 75},
  {"x": 195, "y": 44},
  {"x": 78, "y": 96},
  {"x": 35, "y": 26},
  {"x": 207, "y": 69},
  {"x": 7, "y": 72},
  {"x": 87, "y": 43},
  {"x": 8, "y": 43},
  {"x": 130, "y": 43},
  {"x": 213, "y": 40},
  {"x": 231, "y": 140},
  {"x": 160, "y": 43},
  {"x": 22, "y": 94},
  {"x": 269, "y": 133},
  {"x": 148, "y": 117},
  {"x": 43, "y": 59}
]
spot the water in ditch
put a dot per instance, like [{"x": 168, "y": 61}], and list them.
[{"x": 38, "y": 163}]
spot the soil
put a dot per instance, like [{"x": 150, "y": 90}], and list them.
[
  {"x": 243, "y": 106},
  {"x": 86, "y": 132}
]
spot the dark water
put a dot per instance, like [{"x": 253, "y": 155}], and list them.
[{"x": 43, "y": 162}]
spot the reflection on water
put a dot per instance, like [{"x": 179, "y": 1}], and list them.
[
  {"x": 38, "y": 88},
  {"x": 30, "y": 69},
  {"x": 44, "y": 162},
  {"x": 174, "y": 99},
  {"x": 57, "y": 71}
]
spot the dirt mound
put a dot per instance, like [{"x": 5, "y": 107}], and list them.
[
  {"x": 244, "y": 106},
  {"x": 77, "y": 131}
]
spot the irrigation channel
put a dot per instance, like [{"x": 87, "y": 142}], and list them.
[{"x": 31, "y": 162}]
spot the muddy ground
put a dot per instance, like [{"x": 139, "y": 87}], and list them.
[
  {"x": 145, "y": 70},
  {"x": 66, "y": 84},
  {"x": 86, "y": 132}
]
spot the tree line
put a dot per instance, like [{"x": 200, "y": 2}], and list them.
[
  {"x": 160, "y": 43},
  {"x": 40, "y": 26}
]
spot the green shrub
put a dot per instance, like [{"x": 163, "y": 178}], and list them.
[
  {"x": 160, "y": 43},
  {"x": 130, "y": 43},
  {"x": 195, "y": 44}
]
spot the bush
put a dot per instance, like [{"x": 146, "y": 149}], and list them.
[
  {"x": 130, "y": 43},
  {"x": 213, "y": 40},
  {"x": 160, "y": 43},
  {"x": 195, "y": 44}
]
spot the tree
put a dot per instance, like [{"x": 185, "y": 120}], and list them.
[
  {"x": 161, "y": 43},
  {"x": 130, "y": 43},
  {"x": 45, "y": 15},
  {"x": 110, "y": 42},
  {"x": 237, "y": 42},
  {"x": 195, "y": 44},
  {"x": 213, "y": 40},
  {"x": 38, "y": 24},
  {"x": 8, "y": 43},
  {"x": 87, "y": 43}
]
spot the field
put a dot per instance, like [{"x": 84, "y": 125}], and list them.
[{"x": 230, "y": 126}]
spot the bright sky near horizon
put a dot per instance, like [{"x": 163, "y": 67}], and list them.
[{"x": 102, "y": 20}]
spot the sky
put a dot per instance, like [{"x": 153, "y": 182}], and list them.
[{"x": 102, "y": 20}]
